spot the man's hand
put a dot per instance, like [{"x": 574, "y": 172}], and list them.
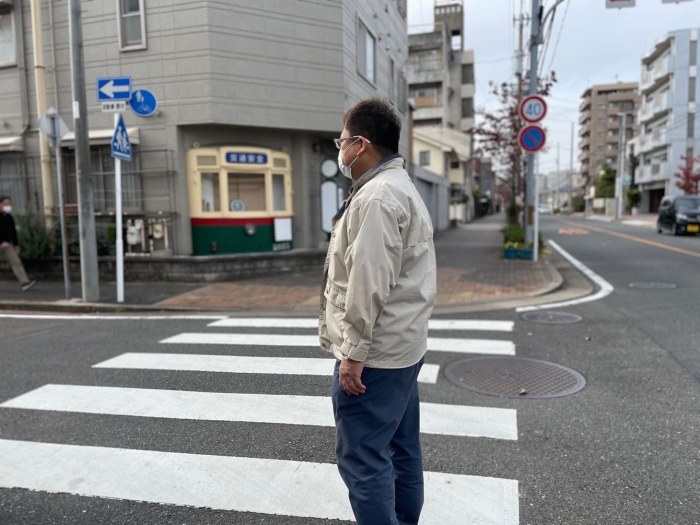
[
  {"x": 4, "y": 245},
  {"x": 17, "y": 250},
  {"x": 349, "y": 377}
]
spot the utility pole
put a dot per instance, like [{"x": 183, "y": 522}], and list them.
[
  {"x": 530, "y": 181},
  {"x": 571, "y": 171},
  {"x": 620, "y": 166},
  {"x": 86, "y": 213},
  {"x": 519, "y": 66},
  {"x": 557, "y": 200}
]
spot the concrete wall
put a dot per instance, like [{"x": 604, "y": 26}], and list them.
[{"x": 437, "y": 156}]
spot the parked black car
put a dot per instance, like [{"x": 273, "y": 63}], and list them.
[{"x": 679, "y": 215}]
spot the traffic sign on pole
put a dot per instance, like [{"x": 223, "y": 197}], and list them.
[
  {"x": 532, "y": 138},
  {"x": 533, "y": 108},
  {"x": 121, "y": 146},
  {"x": 618, "y": 4},
  {"x": 114, "y": 88},
  {"x": 143, "y": 103}
]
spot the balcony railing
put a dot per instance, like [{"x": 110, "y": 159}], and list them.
[
  {"x": 650, "y": 76},
  {"x": 653, "y": 172},
  {"x": 655, "y": 139},
  {"x": 659, "y": 104}
]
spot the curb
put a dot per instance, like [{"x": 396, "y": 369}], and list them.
[{"x": 86, "y": 308}]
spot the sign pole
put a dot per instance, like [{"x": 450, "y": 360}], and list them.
[
  {"x": 118, "y": 213},
  {"x": 61, "y": 205},
  {"x": 536, "y": 190},
  {"x": 530, "y": 210}
]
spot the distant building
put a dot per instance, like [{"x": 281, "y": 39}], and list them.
[
  {"x": 600, "y": 126},
  {"x": 440, "y": 76},
  {"x": 668, "y": 115}
]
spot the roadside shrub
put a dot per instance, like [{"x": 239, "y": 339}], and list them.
[
  {"x": 513, "y": 214},
  {"x": 34, "y": 239}
]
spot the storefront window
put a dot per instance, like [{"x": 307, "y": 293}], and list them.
[
  {"x": 246, "y": 192},
  {"x": 278, "y": 193},
  {"x": 211, "y": 200}
]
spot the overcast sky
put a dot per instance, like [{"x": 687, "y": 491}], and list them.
[{"x": 597, "y": 46}]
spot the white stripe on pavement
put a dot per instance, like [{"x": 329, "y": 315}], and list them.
[
  {"x": 289, "y": 488},
  {"x": 292, "y": 322},
  {"x": 239, "y": 364},
  {"x": 448, "y": 420},
  {"x": 605, "y": 287},
  {"x": 81, "y": 317},
  {"x": 462, "y": 346}
]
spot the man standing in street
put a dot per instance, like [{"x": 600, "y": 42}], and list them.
[
  {"x": 379, "y": 287},
  {"x": 9, "y": 245}
]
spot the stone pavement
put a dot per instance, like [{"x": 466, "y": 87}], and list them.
[{"x": 471, "y": 270}]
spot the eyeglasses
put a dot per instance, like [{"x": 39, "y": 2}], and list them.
[{"x": 339, "y": 142}]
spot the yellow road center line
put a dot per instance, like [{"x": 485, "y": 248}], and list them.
[{"x": 636, "y": 239}]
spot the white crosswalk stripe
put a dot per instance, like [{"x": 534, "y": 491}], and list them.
[
  {"x": 435, "y": 344},
  {"x": 451, "y": 420},
  {"x": 296, "y": 322},
  {"x": 234, "y": 364},
  {"x": 267, "y": 486}
]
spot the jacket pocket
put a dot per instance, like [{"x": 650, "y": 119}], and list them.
[{"x": 335, "y": 313}]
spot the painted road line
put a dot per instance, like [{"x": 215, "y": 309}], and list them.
[
  {"x": 295, "y": 322},
  {"x": 239, "y": 364},
  {"x": 605, "y": 287},
  {"x": 460, "y": 346},
  {"x": 446, "y": 420},
  {"x": 79, "y": 317},
  {"x": 269, "y": 486}
]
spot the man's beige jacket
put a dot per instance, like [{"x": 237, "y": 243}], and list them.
[{"x": 379, "y": 280}]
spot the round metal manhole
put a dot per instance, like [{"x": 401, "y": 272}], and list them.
[
  {"x": 653, "y": 286},
  {"x": 548, "y": 317},
  {"x": 514, "y": 377}
]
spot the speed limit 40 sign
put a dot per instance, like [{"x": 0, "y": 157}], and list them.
[{"x": 533, "y": 108}]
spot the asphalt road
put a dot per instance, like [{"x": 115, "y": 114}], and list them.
[{"x": 624, "y": 450}]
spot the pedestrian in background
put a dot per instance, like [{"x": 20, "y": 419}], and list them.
[
  {"x": 378, "y": 292},
  {"x": 9, "y": 245}
]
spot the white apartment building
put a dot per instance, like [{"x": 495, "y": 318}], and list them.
[{"x": 668, "y": 115}]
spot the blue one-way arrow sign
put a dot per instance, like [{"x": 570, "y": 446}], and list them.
[
  {"x": 114, "y": 88},
  {"x": 121, "y": 146}
]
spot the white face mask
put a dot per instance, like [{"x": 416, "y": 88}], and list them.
[
  {"x": 7, "y": 208},
  {"x": 346, "y": 170}
]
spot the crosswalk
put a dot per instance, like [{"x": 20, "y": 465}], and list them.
[{"x": 264, "y": 485}]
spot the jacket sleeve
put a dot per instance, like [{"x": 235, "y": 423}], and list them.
[
  {"x": 13, "y": 231},
  {"x": 373, "y": 262}
]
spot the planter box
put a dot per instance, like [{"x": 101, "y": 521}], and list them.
[
  {"x": 525, "y": 253},
  {"x": 510, "y": 253}
]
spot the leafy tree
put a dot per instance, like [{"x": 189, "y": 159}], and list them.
[
  {"x": 688, "y": 177},
  {"x": 605, "y": 186}
]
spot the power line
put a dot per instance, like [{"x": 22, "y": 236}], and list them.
[{"x": 561, "y": 29}]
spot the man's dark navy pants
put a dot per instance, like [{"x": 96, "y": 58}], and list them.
[{"x": 378, "y": 447}]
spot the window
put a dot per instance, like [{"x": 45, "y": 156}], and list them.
[
  {"x": 601, "y": 121},
  {"x": 691, "y": 125},
  {"x": 132, "y": 25},
  {"x": 12, "y": 183},
  {"x": 279, "y": 202},
  {"x": 693, "y": 52},
  {"x": 428, "y": 60},
  {"x": 454, "y": 165},
  {"x": 467, "y": 108},
  {"x": 600, "y": 147},
  {"x": 211, "y": 196},
  {"x": 692, "y": 85},
  {"x": 425, "y": 158},
  {"x": 427, "y": 97},
  {"x": 392, "y": 82},
  {"x": 246, "y": 192},
  {"x": 365, "y": 52},
  {"x": 467, "y": 73},
  {"x": 7, "y": 38},
  {"x": 601, "y": 107},
  {"x": 601, "y": 134}
]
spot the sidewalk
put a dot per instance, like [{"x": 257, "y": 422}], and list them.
[{"x": 471, "y": 271}]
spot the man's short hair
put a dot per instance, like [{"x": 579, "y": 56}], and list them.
[
  {"x": 5, "y": 197},
  {"x": 376, "y": 120}
]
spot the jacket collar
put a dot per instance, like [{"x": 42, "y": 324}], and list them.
[{"x": 391, "y": 161}]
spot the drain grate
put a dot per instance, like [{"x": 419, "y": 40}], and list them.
[
  {"x": 514, "y": 377},
  {"x": 549, "y": 317},
  {"x": 653, "y": 286}
]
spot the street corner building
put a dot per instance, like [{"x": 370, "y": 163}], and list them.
[{"x": 238, "y": 157}]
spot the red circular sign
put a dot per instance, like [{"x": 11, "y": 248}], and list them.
[
  {"x": 533, "y": 108},
  {"x": 532, "y": 138}
]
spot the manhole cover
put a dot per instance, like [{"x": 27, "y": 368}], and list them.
[
  {"x": 514, "y": 377},
  {"x": 547, "y": 317},
  {"x": 653, "y": 286}
]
